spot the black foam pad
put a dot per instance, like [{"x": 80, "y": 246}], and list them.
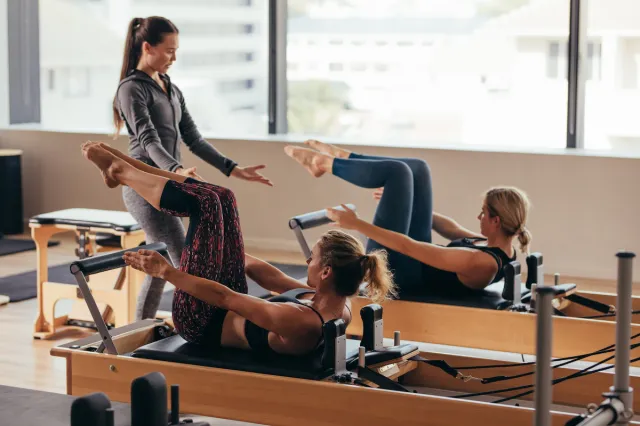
[
  {"x": 176, "y": 349},
  {"x": 89, "y": 218},
  {"x": 149, "y": 400},
  {"x": 106, "y": 262},
  {"x": 90, "y": 410}
]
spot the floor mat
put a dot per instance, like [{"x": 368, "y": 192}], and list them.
[{"x": 11, "y": 245}]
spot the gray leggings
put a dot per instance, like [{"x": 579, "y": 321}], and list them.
[{"x": 158, "y": 227}]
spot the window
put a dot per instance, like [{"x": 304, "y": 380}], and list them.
[
  {"x": 233, "y": 86},
  {"x": 612, "y": 96},
  {"x": 77, "y": 82},
  {"x": 221, "y": 64},
  {"x": 557, "y": 66},
  {"x": 466, "y": 72}
]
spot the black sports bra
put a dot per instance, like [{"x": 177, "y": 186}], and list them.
[
  {"x": 448, "y": 284},
  {"x": 258, "y": 337}
]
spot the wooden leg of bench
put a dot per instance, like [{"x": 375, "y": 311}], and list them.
[
  {"x": 133, "y": 279},
  {"x": 44, "y": 322}
]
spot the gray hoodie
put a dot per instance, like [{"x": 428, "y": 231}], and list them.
[{"x": 156, "y": 120}]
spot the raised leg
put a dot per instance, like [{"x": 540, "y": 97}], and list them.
[
  {"x": 115, "y": 170},
  {"x": 422, "y": 212},
  {"x": 141, "y": 165}
]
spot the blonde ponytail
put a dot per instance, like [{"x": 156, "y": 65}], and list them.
[
  {"x": 378, "y": 276},
  {"x": 524, "y": 238}
]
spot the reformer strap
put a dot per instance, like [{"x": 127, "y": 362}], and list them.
[{"x": 591, "y": 304}]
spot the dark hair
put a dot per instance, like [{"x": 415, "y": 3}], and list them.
[
  {"x": 351, "y": 266},
  {"x": 151, "y": 30}
]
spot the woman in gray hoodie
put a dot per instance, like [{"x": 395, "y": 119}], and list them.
[{"x": 155, "y": 115}]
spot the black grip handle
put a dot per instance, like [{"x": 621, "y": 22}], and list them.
[
  {"x": 314, "y": 219},
  {"x": 97, "y": 264}
]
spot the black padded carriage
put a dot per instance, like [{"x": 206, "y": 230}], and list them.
[
  {"x": 176, "y": 349},
  {"x": 489, "y": 298}
]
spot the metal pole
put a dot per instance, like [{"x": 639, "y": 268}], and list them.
[
  {"x": 623, "y": 331},
  {"x": 544, "y": 341}
]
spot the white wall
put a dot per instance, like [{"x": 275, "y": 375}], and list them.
[{"x": 584, "y": 208}]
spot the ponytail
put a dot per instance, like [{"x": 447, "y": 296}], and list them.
[
  {"x": 151, "y": 30},
  {"x": 378, "y": 276},
  {"x": 524, "y": 238},
  {"x": 132, "y": 53}
]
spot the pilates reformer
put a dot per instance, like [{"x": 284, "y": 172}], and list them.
[
  {"x": 338, "y": 385},
  {"x": 497, "y": 318}
]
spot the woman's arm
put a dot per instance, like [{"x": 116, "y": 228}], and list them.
[
  {"x": 133, "y": 105},
  {"x": 468, "y": 262},
  {"x": 284, "y": 319},
  {"x": 270, "y": 277},
  {"x": 450, "y": 229}
]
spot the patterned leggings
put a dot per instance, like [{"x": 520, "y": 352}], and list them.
[{"x": 213, "y": 250}]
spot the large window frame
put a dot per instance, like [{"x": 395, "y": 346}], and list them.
[{"x": 22, "y": 14}]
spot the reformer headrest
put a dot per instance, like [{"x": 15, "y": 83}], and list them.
[
  {"x": 97, "y": 264},
  {"x": 314, "y": 219}
]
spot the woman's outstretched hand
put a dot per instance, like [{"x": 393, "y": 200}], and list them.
[
  {"x": 148, "y": 261},
  {"x": 347, "y": 218},
  {"x": 251, "y": 174}
]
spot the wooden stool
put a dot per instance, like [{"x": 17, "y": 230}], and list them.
[{"x": 115, "y": 291}]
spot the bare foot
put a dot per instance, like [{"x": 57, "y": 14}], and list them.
[
  {"x": 326, "y": 148},
  {"x": 316, "y": 163},
  {"x": 108, "y": 164}
]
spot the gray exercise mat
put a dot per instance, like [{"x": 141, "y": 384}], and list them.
[{"x": 28, "y": 407}]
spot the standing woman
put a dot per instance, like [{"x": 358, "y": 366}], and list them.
[{"x": 156, "y": 117}]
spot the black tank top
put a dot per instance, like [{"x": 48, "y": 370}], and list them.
[
  {"x": 258, "y": 337},
  {"x": 447, "y": 283}
]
